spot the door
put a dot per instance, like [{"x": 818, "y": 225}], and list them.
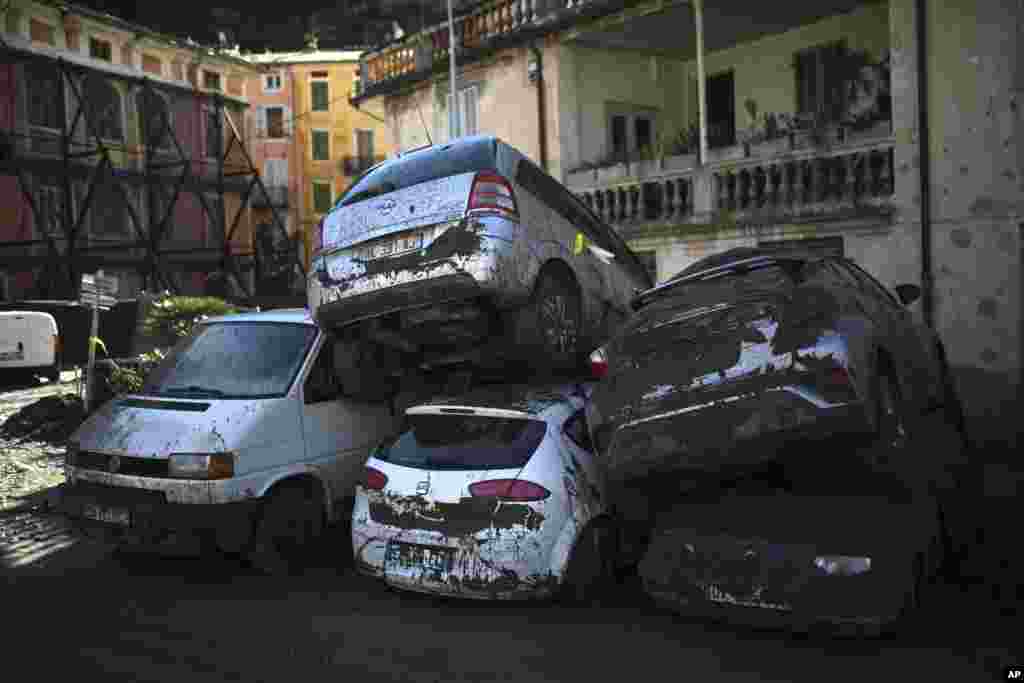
[
  {"x": 721, "y": 110},
  {"x": 338, "y": 431}
]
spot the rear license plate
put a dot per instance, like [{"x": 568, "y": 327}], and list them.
[
  {"x": 408, "y": 559},
  {"x": 105, "y": 514},
  {"x": 752, "y": 599},
  {"x": 394, "y": 246}
]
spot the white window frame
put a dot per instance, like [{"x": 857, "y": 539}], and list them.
[
  {"x": 312, "y": 143},
  {"x": 330, "y": 187},
  {"x": 267, "y": 88}
]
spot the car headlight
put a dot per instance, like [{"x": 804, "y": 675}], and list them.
[
  {"x": 843, "y": 565},
  {"x": 201, "y": 465}
]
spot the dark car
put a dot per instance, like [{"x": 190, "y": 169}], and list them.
[
  {"x": 851, "y": 550},
  {"x": 745, "y": 351}
]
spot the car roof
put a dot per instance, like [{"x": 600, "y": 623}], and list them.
[
  {"x": 277, "y": 315},
  {"x": 513, "y": 398}
]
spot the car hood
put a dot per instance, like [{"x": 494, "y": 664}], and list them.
[{"x": 157, "y": 427}]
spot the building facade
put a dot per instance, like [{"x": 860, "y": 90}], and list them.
[
  {"x": 122, "y": 149},
  {"x": 859, "y": 127},
  {"x": 309, "y": 141}
]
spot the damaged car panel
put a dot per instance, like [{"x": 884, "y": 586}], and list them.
[
  {"x": 468, "y": 248},
  {"x": 473, "y": 501},
  {"x": 243, "y": 407}
]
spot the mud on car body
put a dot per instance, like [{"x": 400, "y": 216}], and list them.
[
  {"x": 467, "y": 252},
  {"x": 491, "y": 494},
  {"x": 241, "y": 435}
]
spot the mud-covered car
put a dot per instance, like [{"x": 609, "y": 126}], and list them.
[
  {"x": 493, "y": 494},
  {"x": 850, "y": 550},
  {"x": 746, "y": 351},
  {"x": 467, "y": 253}
]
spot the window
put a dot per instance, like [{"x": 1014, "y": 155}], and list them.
[
  {"x": 272, "y": 82},
  {"x": 41, "y": 32},
  {"x": 819, "y": 90},
  {"x": 364, "y": 146},
  {"x": 321, "y": 197},
  {"x": 321, "y": 145},
  {"x": 152, "y": 65},
  {"x": 630, "y": 130},
  {"x": 211, "y": 80},
  {"x": 154, "y": 119},
  {"x": 321, "y": 383},
  {"x": 100, "y": 49},
  {"x": 320, "y": 93},
  {"x": 102, "y": 102},
  {"x": 275, "y": 122},
  {"x": 576, "y": 430},
  {"x": 44, "y": 96},
  {"x": 214, "y": 144},
  {"x": 468, "y": 110}
]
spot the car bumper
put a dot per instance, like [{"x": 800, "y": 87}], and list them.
[{"x": 149, "y": 514}]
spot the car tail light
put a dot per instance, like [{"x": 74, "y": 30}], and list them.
[
  {"x": 598, "y": 363},
  {"x": 492, "y": 192},
  {"x": 375, "y": 480},
  {"x": 513, "y": 490}
]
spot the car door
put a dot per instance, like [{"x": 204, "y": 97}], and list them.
[
  {"x": 339, "y": 432},
  {"x": 584, "y": 478},
  {"x": 912, "y": 342}
]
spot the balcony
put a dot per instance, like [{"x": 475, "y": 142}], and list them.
[
  {"x": 352, "y": 166},
  {"x": 491, "y": 25},
  {"x": 790, "y": 180},
  {"x": 277, "y": 196}
]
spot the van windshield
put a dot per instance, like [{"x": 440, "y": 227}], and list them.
[
  {"x": 233, "y": 360},
  {"x": 420, "y": 167}
]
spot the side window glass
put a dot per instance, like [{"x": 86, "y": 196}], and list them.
[
  {"x": 576, "y": 430},
  {"x": 322, "y": 383}
]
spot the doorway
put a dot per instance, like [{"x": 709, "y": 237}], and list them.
[{"x": 721, "y": 109}]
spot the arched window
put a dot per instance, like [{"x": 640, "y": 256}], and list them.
[
  {"x": 154, "y": 119},
  {"x": 103, "y": 107}
]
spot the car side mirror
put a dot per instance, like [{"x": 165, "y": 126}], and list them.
[{"x": 908, "y": 293}]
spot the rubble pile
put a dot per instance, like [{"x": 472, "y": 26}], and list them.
[{"x": 51, "y": 419}]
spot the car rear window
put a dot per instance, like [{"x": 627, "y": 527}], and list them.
[
  {"x": 464, "y": 442},
  {"x": 729, "y": 287},
  {"x": 421, "y": 167}
]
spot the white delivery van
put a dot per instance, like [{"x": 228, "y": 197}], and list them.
[
  {"x": 29, "y": 342},
  {"x": 242, "y": 436}
]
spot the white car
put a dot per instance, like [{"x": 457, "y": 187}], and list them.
[
  {"x": 494, "y": 494},
  {"x": 29, "y": 342}
]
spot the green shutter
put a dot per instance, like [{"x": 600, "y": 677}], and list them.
[
  {"x": 320, "y": 95},
  {"x": 321, "y": 197},
  {"x": 321, "y": 150}
]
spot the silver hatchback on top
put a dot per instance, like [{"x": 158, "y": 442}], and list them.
[{"x": 455, "y": 248}]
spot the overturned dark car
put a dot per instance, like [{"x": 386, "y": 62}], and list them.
[{"x": 746, "y": 351}]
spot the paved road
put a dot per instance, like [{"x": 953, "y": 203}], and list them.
[{"x": 73, "y": 607}]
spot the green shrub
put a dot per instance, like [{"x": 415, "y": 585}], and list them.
[{"x": 173, "y": 317}]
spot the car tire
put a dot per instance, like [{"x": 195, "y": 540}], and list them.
[
  {"x": 590, "y": 573},
  {"x": 549, "y": 327},
  {"x": 288, "y": 530}
]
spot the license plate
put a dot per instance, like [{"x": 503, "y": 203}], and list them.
[
  {"x": 407, "y": 559},
  {"x": 108, "y": 515},
  {"x": 398, "y": 245},
  {"x": 753, "y": 599}
]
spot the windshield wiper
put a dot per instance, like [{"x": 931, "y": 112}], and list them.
[{"x": 193, "y": 389}]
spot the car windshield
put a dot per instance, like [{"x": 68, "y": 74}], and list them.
[
  {"x": 730, "y": 287},
  {"x": 464, "y": 442},
  {"x": 233, "y": 360},
  {"x": 421, "y": 167}
]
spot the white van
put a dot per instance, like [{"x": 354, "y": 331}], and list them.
[
  {"x": 242, "y": 436},
  {"x": 29, "y": 342}
]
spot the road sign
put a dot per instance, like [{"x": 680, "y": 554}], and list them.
[
  {"x": 102, "y": 301},
  {"x": 104, "y": 284}
]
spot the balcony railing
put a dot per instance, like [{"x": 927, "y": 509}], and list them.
[
  {"x": 355, "y": 165},
  {"x": 420, "y": 52},
  {"x": 277, "y": 196},
  {"x": 848, "y": 180}
]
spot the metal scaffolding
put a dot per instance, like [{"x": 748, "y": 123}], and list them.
[{"x": 82, "y": 153}]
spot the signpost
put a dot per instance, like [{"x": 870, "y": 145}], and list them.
[{"x": 97, "y": 291}]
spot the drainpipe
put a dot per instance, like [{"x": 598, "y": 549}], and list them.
[
  {"x": 925, "y": 166},
  {"x": 537, "y": 75}
]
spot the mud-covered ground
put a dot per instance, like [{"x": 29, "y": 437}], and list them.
[{"x": 30, "y": 465}]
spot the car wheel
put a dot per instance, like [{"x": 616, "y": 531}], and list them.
[
  {"x": 553, "y": 320},
  {"x": 589, "y": 576},
  {"x": 291, "y": 523}
]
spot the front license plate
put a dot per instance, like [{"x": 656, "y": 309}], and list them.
[
  {"x": 406, "y": 559},
  {"x": 715, "y": 594},
  {"x": 108, "y": 515}
]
